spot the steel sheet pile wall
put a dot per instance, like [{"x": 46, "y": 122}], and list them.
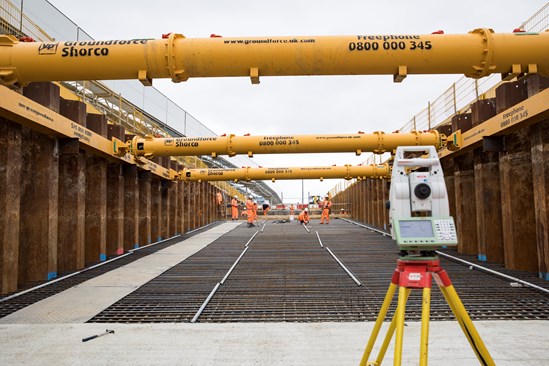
[
  {"x": 366, "y": 200},
  {"x": 63, "y": 207},
  {"x": 498, "y": 189}
]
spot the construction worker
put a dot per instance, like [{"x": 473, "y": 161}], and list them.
[
  {"x": 266, "y": 208},
  {"x": 234, "y": 208},
  {"x": 292, "y": 209},
  {"x": 326, "y": 205},
  {"x": 219, "y": 202},
  {"x": 255, "y": 209},
  {"x": 250, "y": 211},
  {"x": 304, "y": 216}
]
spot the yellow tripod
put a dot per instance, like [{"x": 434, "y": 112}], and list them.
[{"x": 411, "y": 274}]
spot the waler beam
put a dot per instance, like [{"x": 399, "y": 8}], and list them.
[
  {"x": 476, "y": 54},
  {"x": 377, "y": 142},
  {"x": 320, "y": 172}
]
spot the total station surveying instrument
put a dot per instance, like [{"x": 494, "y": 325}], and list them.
[{"x": 420, "y": 223}]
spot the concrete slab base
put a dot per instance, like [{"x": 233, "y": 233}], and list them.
[
  {"x": 51, "y": 331},
  {"x": 510, "y": 343}
]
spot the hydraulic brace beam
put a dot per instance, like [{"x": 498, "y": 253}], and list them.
[
  {"x": 476, "y": 54},
  {"x": 231, "y": 145},
  {"x": 320, "y": 172}
]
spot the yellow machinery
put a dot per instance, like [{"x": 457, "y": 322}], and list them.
[
  {"x": 320, "y": 172},
  {"x": 476, "y": 54},
  {"x": 231, "y": 145}
]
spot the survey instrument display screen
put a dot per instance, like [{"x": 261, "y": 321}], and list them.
[
  {"x": 424, "y": 232},
  {"x": 416, "y": 229}
]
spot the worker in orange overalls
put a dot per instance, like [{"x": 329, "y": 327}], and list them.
[
  {"x": 292, "y": 209},
  {"x": 304, "y": 216},
  {"x": 266, "y": 208},
  {"x": 250, "y": 211},
  {"x": 219, "y": 202},
  {"x": 234, "y": 208},
  {"x": 255, "y": 210},
  {"x": 326, "y": 205}
]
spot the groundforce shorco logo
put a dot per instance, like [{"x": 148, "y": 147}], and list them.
[
  {"x": 85, "y": 48},
  {"x": 48, "y": 49}
]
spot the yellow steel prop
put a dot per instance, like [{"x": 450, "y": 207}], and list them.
[
  {"x": 320, "y": 172},
  {"x": 476, "y": 54},
  {"x": 377, "y": 142}
]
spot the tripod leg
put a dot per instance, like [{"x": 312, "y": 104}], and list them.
[
  {"x": 425, "y": 314},
  {"x": 460, "y": 320},
  {"x": 452, "y": 307},
  {"x": 388, "y": 336},
  {"x": 403, "y": 293},
  {"x": 379, "y": 322},
  {"x": 467, "y": 326}
]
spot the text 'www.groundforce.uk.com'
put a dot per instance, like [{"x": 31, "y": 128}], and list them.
[{"x": 267, "y": 40}]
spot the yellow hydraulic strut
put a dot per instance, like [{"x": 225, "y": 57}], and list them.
[
  {"x": 476, "y": 54},
  {"x": 377, "y": 142},
  {"x": 320, "y": 172}
]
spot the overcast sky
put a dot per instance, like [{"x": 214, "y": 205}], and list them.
[{"x": 298, "y": 105}]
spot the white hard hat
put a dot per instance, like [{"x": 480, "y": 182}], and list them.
[
  {"x": 235, "y": 196},
  {"x": 250, "y": 196},
  {"x": 306, "y": 210}
]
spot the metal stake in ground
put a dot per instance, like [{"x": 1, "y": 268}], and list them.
[{"x": 108, "y": 331}]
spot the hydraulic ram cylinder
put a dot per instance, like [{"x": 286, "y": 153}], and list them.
[
  {"x": 377, "y": 142},
  {"x": 475, "y": 54},
  {"x": 320, "y": 172}
]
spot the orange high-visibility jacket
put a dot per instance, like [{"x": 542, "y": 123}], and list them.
[
  {"x": 234, "y": 208},
  {"x": 250, "y": 210}
]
